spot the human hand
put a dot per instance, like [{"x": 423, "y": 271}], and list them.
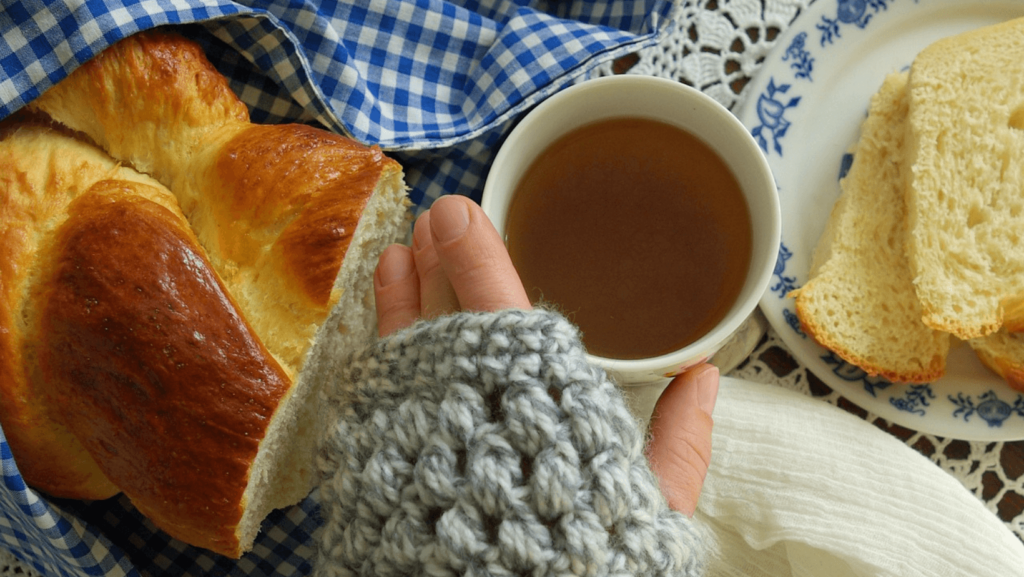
[
  {"x": 458, "y": 262},
  {"x": 680, "y": 448}
]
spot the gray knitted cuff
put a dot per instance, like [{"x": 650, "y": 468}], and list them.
[{"x": 486, "y": 444}]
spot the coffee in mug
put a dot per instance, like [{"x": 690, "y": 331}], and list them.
[
  {"x": 633, "y": 117},
  {"x": 636, "y": 230}
]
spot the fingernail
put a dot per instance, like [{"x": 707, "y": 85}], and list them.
[
  {"x": 706, "y": 378},
  {"x": 394, "y": 265},
  {"x": 449, "y": 219}
]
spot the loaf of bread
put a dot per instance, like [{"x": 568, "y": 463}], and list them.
[
  {"x": 859, "y": 300},
  {"x": 965, "y": 159},
  {"x": 178, "y": 279}
]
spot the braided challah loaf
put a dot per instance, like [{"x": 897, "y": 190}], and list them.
[{"x": 170, "y": 279}]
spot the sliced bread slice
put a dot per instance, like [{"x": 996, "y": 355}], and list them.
[
  {"x": 860, "y": 300},
  {"x": 1003, "y": 353},
  {"x": 965, "y": 159}
]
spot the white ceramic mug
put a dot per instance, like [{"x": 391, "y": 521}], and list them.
[{"x": 676, "y": 104}]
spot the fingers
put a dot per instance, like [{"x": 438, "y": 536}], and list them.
[
  {"x": 396, "y": 289},
  {"x": 457, "y": 261},
  {"x": 437, "y": 297},
  {"x": 680, "y": 448},
  {"x": 473, "y": 257}
]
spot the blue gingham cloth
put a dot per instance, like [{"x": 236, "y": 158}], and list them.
[{"x": 436, "y": 83}]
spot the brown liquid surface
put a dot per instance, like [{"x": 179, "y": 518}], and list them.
[{"x": 637, "y": 231}]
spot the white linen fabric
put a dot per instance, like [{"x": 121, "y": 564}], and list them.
[{"x": 798, "y": 488}]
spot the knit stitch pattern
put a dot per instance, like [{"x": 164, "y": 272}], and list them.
[{"x": 485, "y": 444}]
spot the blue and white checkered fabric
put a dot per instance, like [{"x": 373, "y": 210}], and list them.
[
  {"x": 405, "y": 74},
  {"x": 438, "y": 83}
]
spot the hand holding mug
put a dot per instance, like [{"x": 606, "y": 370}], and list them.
[{"x": 458, "y": 261}]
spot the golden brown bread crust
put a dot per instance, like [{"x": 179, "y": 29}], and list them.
[
  {"x": 156, "y": 292},
  {"x": 312, "y": 182},
  {"x": 109, "y": 311},
  {"x": 930, "y": 372},
  {"x": 146, "y": 354},
  {"x": 276, "y": 207},
  {"x": 134, "y": 90},
  {"x": 49, "y": 457},
  {"x": 267, "y": 202},
  {"x": 37, "y": 178}
]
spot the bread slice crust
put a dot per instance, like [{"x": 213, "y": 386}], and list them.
[
  {"x": 859, "y": 300},
  {"x": 965, "y": 153}
]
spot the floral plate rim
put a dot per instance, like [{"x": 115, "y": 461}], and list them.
[{"x": 821, "y": 73}]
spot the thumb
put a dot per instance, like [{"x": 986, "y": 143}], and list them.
[{"x": 680, "y": 448}]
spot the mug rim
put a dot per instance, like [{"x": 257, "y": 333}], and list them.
[{"x": 497, "y": 198}]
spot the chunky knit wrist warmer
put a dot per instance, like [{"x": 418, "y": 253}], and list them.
[{"x": 486, "y": 444}]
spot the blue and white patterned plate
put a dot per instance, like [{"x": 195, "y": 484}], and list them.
[{"x": 805, "y": 107}]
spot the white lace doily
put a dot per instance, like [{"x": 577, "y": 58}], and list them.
[
  {"x": 11, "y": 566},
  {"x": 717, "y": 46}
]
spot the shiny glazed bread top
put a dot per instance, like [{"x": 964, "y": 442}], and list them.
[
  {"x": 150, "y": 362},
  {"x": 173, "y": 270},
  {"x": 274, "y": 206}
]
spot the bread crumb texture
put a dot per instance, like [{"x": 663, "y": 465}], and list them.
[{"x": 924, "y": 243}]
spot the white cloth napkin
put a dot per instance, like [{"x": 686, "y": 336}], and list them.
[{"x": 798, "y": 487}]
